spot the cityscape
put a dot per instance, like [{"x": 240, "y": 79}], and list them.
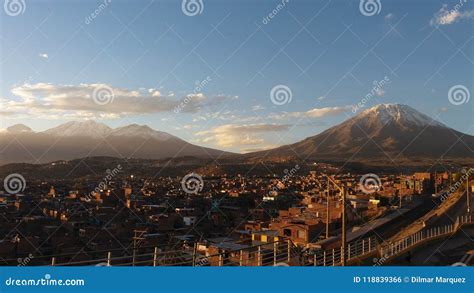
[{"x": 203, "y": 134}]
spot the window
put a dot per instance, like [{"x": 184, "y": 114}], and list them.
[
  {"x": 287, "y": 232},
  {"x": 302, "y": 234}
]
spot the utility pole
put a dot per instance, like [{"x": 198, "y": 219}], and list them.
[
  {"x": 343, "y": 237},
  {"x": 194, "y": 254},
  {"x": 468, "y": 195},
  {"x": 400, "y": 205},
  {"x": 400, "y": 193},
  {"x": 343, "y": 220},
  {"x": 327, "y": 210}
]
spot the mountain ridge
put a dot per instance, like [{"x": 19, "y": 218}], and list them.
[
  {"x": 383, "y": 132},
  {"x": 74, "y": 140}
]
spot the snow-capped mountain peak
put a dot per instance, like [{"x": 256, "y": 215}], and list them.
[
  {"x": 87, "y": 128},
  {"x": 401, "y": 114},
  {"x": 99, "y": 130}
]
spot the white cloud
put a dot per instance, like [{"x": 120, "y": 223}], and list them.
[
  {"x": 443, "y": 109},
  {"x": 47, "y": 100},
  {"x": 389, "y": 17},
  {"x": 258, "y": 149},
  {"x": 232, "y": 135},
  {"x": 321, "y": 98},
  {"x": 447, "y": 16},
  {"x": 380, "y": 92},
  {"x": 43, "y": 55},
  {"x": 313, "y": 113},
  {"x": 257, "y": 108}
]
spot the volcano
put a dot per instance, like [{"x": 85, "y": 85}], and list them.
[{"x": 386, "y": 131}]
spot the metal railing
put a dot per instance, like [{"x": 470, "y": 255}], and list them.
[
  {"x": 354, "y": 250},
  {"x": 399, "y": 247},
  {"x": 281, "y": 252}
]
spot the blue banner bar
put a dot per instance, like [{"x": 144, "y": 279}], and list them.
[{"x": 237, "y": 279}]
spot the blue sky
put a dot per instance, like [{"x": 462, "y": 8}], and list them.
[{"x": 208, "y": 78}]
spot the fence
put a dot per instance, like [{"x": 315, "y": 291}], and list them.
[
  {"x": 281, "y": 252},
  {"x": 354, "y": 250},
  {"x": 391, "y": 250}
]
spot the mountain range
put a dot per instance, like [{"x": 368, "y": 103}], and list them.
[
  {"x": 385, "y": 132},
  {"x": 74, "y": 140}
]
